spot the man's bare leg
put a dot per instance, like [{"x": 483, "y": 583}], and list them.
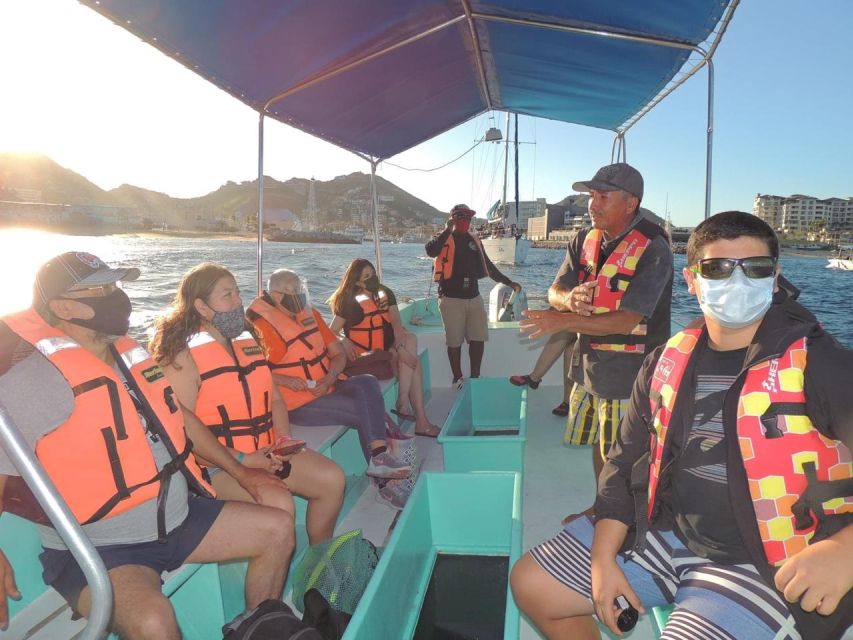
[
  {"x": 140, "y": 610},
  {"x": 250, "y": 531},
  {"x": 557, "y": 611}
]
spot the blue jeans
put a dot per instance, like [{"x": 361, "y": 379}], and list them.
[{"x": 356, "y": 402}]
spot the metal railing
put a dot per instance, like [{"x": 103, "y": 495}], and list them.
[{"x": 65, "y": 523}]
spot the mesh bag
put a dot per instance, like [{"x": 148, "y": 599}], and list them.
[{"x": 339, "y": 569}]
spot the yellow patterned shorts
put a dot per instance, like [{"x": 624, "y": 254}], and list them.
[{"x": 593, "y": 419}]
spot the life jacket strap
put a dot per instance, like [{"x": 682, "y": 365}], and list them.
[
  {"x": 817, "y": 492},
  {"x": 770, "y": 417}
]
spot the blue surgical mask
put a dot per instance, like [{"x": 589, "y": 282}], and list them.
[
  {"x": 230, "y": 323},
  {"x": 736, "y": 301}
]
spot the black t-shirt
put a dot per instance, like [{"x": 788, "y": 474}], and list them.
[
  {"x": 468, "y": 269},
  {"x": 700, "y": 489}
]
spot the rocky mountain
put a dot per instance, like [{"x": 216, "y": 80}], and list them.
[{"x": 342, "y": 200}]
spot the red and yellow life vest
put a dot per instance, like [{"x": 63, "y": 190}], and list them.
[
  {"x": 782, "y": 452},
  {"x": 306, "y": 357},
  {"x": 442, "y": 267},
  {"x": 235, "y": 397},
  {"x": 613, "y": 279},
  {"x": 100, "y": 458},
  {"x": 369, "y": 334}
]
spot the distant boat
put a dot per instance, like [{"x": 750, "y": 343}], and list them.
[
  {"x": 503, "y": 242},
  {"x": 843, "y": 260},
  {"x": 355, "y": 233},
  {"x": 812, "y": 246},
  {"x": 310, "y": 236}
]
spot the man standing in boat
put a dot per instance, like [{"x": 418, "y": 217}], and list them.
[
  {"x": 460, "y": 262},
  {"x": 106, "y": 426},
  {"x": 614, "y": 290},
  {"x": 738, "y": 508}
]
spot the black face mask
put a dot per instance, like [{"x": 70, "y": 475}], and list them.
[
  {"x": 294, "y": 302},
  {"x": 112, "y": 313},
  {"x": 372, "y": 284}
]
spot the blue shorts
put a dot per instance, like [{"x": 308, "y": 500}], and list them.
[
  {"x": 712, "y": 600},
  {"x": 62, "y": 572}
]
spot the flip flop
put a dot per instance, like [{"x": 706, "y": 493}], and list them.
[
  {"x": 403, "y": 416},
  {"x": 435, "y": 434}
]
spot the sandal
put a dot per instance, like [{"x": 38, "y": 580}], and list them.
[
  {"x": 561, "y": 409},
  {"x": 434, "y": 432},
  {"x": 520, "y": 381},
  {"x": 403, "y": 416}
]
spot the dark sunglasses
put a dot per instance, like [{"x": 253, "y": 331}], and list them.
[{"x": 721, "y": 268}]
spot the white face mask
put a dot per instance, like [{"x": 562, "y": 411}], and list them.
[{"x": 737, "y": 301}]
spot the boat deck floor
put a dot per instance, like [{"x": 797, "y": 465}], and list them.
[{"x": 558, "y": 480}]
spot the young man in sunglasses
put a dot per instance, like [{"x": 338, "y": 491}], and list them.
[{"x": 728, "y": 491}]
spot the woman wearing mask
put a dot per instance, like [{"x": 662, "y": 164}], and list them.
[
  {"x": 366, "y": 312},
  {"x": 219, "y": 372}
]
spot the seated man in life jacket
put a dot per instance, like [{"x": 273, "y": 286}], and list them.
[
  {"x": 307, "y": 359},
  {"x": 366, "y": 311},
  {"x": 104, "y": 423},
  {"x": 728, "y": 490},
  {"x": 219, "y": 373}
]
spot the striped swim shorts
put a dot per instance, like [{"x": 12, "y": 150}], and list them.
[
  {"x": 712, "y": 600},
  {"x": 593, "y": 419}
]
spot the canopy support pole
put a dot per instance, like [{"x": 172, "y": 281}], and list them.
[
  {"x": 261, "y": 203},
  {"x": 710, "y": 139},
  {"x": 66, "y": 525},
  {"x": 374, "y": 209},
  {"x": 619, "y": 151}
]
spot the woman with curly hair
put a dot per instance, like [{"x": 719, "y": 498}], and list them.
[
  {"x": 366, "y": 312},
  {"x": 219, "y": 372}
]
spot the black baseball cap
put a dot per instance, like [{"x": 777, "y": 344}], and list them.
[
  {"x": 614, "y": 177},
  {"x": 75, "y": 269}
]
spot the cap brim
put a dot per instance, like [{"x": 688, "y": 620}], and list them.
[
  {"x": 108, "y": 276},
  {"x": 598, "y": 185}
]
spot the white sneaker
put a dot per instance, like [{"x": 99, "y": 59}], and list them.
[
  {"x": 394, "y": 495},
  {"x": 385, "y": 465},
  {"x": 458, "y": 383}
]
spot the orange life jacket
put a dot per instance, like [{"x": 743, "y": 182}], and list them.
[
  {"x": 613, "y": 279},
  {"x": 369, "y": 334},
  {"x": 784, "y": 456},
  {"x": 100, "y": 459},
  {"x": 306, "y": 357},
  {"x": 235, "y": 398},
  {"x": 442, "y": 267}
]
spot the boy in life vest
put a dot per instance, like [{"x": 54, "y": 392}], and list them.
[
  {"x": 460, "y": 262},
  {"x": 104, "y": 423},
  {"x": 728, "y": 491},
  {"x": 614, "y": 290}
]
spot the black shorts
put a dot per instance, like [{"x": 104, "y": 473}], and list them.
[{"x": 62, "y": 572}]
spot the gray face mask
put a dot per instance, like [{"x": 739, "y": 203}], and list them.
[{"x": 230, "y": 323}]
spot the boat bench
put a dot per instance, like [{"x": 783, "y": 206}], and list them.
[{"x": 43, "y": 613}]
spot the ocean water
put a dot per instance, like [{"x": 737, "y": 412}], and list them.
[{"x": 406, "y": 269}]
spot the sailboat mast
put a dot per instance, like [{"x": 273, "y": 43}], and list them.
[
  {"x": 516, "y": 171},
  {"x": 506, "y": 162}
]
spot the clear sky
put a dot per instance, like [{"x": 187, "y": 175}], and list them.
[{"x": 104, "y": 104}]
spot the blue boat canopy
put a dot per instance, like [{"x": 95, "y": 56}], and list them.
[{"x": 380, "y": 76}]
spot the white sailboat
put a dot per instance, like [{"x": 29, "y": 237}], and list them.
[{"x": 502, "y": 235}]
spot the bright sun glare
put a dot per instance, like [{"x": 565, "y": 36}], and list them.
[{"x": 22, "y": 252}]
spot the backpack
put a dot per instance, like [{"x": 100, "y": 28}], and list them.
[
  {"x": 331, "y": 623},
  {"x": 270, "y": 620}
]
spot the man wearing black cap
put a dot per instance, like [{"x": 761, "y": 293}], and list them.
[
  {"x": 614, "y": 290},
  {"x": 105, "y": 425},
  {"x": 460, "y": 262}
]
